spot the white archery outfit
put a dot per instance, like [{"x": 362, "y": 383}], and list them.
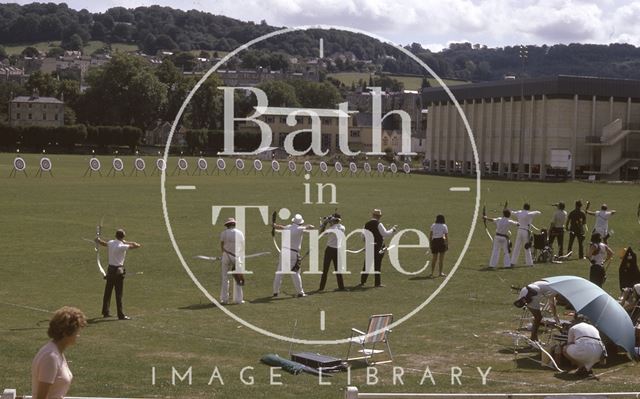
[
  {"x": 542, "y": 290},
  {"x": 584, "y": 345},
  {"x": 524, "y": 220},
  {"x": 602, "y": 222},
  {"x": 292, "y": 243},
  {"x": 501, "y": 242},
  {"x": 229, "y": 238}
]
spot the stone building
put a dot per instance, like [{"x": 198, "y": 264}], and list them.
[{"x": 36, "y": 111}]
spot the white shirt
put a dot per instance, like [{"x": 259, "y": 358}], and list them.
[
  {"x": 332, "y": 238},
  {"x": 503, "y": 225},
  {"x": 559, "y": 218},
  {"x": 543, "y": 288},
  {"x": 438, "y": 230},
  {"x": 602, "y": 222},
  {"x": 601, "y": 255},
  {"x": 384, "y": 232},
  {"x": 229, "y": 237},
  {"x": 117, "y": 251},
  {"x": 50, "y": 366},
  {"x": 582, "y": 330},
  {"x": 296, "y": 232},
  {"x": 525, "y": 218}
]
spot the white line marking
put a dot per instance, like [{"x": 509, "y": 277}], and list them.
[
  {"x": 185, "y": 187},
  {"x": 460, "y": 189},
  {"x": 322, "y": 320}
]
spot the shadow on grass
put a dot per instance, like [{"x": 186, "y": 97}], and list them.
[
  {"x": 419, "y": 278},
  {"x": 98, "y": 320}
]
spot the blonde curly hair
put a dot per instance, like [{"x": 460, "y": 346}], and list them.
[{"x": 65, "y": 322}]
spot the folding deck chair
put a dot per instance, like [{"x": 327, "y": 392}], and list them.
[{"x": 379, "y": 334}]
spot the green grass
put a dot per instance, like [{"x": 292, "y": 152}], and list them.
[
  {"x": 41, "y": 46},
  {"x": 410, "y": 82},
  {"x": 46, "y": 265}
]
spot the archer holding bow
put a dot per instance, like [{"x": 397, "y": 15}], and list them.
[
  {"x": 501, "y": 242},
  {"x": 115, "y": 273}
]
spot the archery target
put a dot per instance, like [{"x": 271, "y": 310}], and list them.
[
  {"x": 19, "y": 164},
  {"x": 202, "y": 164},
  {"x": 367, "y": 167},
  {"x": 353, "y": 167},
  {"x": 45, "y": 164},
  {"x": 323, "y": 167},
  {"x": 338, "y": 167},
  {"x": 257, "y": 164},
  {"x": 183, "y": 164},
  {"x": 275, "y": 166},
  {"x": 239, "y": 164},
  {"x": 94, "y": 164},
  {"x": 394, "y": 168},
  {"x": 160, "y": 164},
  {"x": 221, "y": 164},
  {"x": 292, "y": 166},
  {"x": 117, "y": 164},
  {"x": 307, "y": 166},
  {"x": 406, "y": 168},
  {"x": 140, "y": 164},
  {"x": 380, "y": 168}
]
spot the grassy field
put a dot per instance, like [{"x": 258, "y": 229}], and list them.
[
  {"x": 46, "y": 265},
  {"x": 89, "y": 48},
  {"x": 410, "y": 82}
]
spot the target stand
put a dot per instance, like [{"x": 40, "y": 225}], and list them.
[
  {"x": 181, "y": 166},
  {"x": 257, "y": 167},
  {"x": 45, "y": 167},
  {"x": 94, "y": 166},
  {"x": 201, "y": 166},
  {"x": 139, "y": 166},
  {"x": 19, "y": 165},
  {"x": 160, "y": 167},
  {"x": 117, "y": 166}
]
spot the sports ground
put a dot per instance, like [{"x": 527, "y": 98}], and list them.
[{"x": 46, "y": 265}]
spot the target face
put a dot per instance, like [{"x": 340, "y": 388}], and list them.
[
  {"x": 94, "y": 164},
  {"x": 275, "y": 166},
  {"x": 160, "y": 164},
  {"x": 183, "y": 164},
  {"x": 292, "y": 166},
  {"x": 307, "y": 166},
  {"x": 45, "y": 164},
  {"x": 239, "y": 164},
  {"x": 380, "y": 168},
  {"x": 353, "y": 167},
  {"x": 338, "y": 167},
  {"x": 257, "y": 164},
  {"x": 117, "y": 164},
  {"x": 19, "y": 164},
  {"x": 323, "y": 167},
  {"x": 367, "y": 167},
  {"x": 394, "y": 168},
  {"x": 202, "y": 164},
  {"x": 406, "y": 168},
  {"x": 221, "y": 164},
  {"x": 139, "y": 164}
]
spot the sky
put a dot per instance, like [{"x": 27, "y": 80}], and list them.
[{"x": 433, "y": 23}]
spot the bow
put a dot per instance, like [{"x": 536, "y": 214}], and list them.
[
  {"x": 586, "y": 209},
  {"x": 506, "y": 205},
  {"x": 98, "y": 233},
  {"x": 273, "y": 230},
  {"x": 484, "y": 220},
  {"x": 537, "y": 345}
]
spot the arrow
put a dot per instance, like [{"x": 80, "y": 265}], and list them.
[{"x": 484, "y": 220}]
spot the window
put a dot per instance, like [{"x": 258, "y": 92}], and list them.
[
  {"x": 29, "y": 116},
  {"x": 44, "y": 116},
  {"x": 56, "y": 118},
  {"x": 283, "y": 119},
  {"x": 354, "y": 133},
  {"x": 281, "y": 139},
  {"x": 18, "y": 115},
  {"x": 29, "y": 105},
  {"x": 270, "y": 119},
  {"x": 17, "y": 105},
  {"x": 44, "y": 106}
]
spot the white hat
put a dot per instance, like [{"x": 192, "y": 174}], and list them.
[
  {"x": 297, "y": 219},
  {"x": 636, "y": 288}
]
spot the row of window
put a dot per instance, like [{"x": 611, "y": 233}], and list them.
[
  {"x": 299, "y": 119},
  {"x": 31, "y": 105},
  {"x": 30, "y": 116}
]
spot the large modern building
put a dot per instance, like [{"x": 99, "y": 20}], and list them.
[{"x": 537, "y": 128}]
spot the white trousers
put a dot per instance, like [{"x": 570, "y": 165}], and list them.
[
  {"x": 521, "y": 239},
  {"x": 500, "y": 244},
  {"x": 585, "y": 352},
  {"x": 286, "y": 269},
  {"x": 227, "y": 266}
]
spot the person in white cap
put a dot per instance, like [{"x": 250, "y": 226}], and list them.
[
  {"x": 289, "y": 262},
  {"x": 501, "y": 239},
  {"x": 523, "y": 238},
  {"x": 602, "y": 222},
  {"x": 231, "y": 240}
]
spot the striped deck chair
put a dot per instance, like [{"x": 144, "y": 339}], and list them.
[{"x": 378, "y": 326}]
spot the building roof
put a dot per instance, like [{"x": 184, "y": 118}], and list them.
[
  {"x": 36, "y": 100},
  {"x": 562, "y": 85}
]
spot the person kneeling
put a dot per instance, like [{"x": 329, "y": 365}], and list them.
[{"x": 584, "y": 348}]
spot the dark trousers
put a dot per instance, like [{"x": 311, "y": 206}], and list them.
[
  {"x": 580, "y": 237},
  {"x": 115, "y": 279},
  {"x": 557, "y": 232},
  {"x": 377, "y": 265},
  {"x": 597, "y": 275},
  {"x": 330, "y": 255}
]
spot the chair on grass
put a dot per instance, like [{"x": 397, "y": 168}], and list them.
[{"x": 377, "y": 332}]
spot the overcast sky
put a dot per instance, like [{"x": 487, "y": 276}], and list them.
[{"x": 433, "y": 23}]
